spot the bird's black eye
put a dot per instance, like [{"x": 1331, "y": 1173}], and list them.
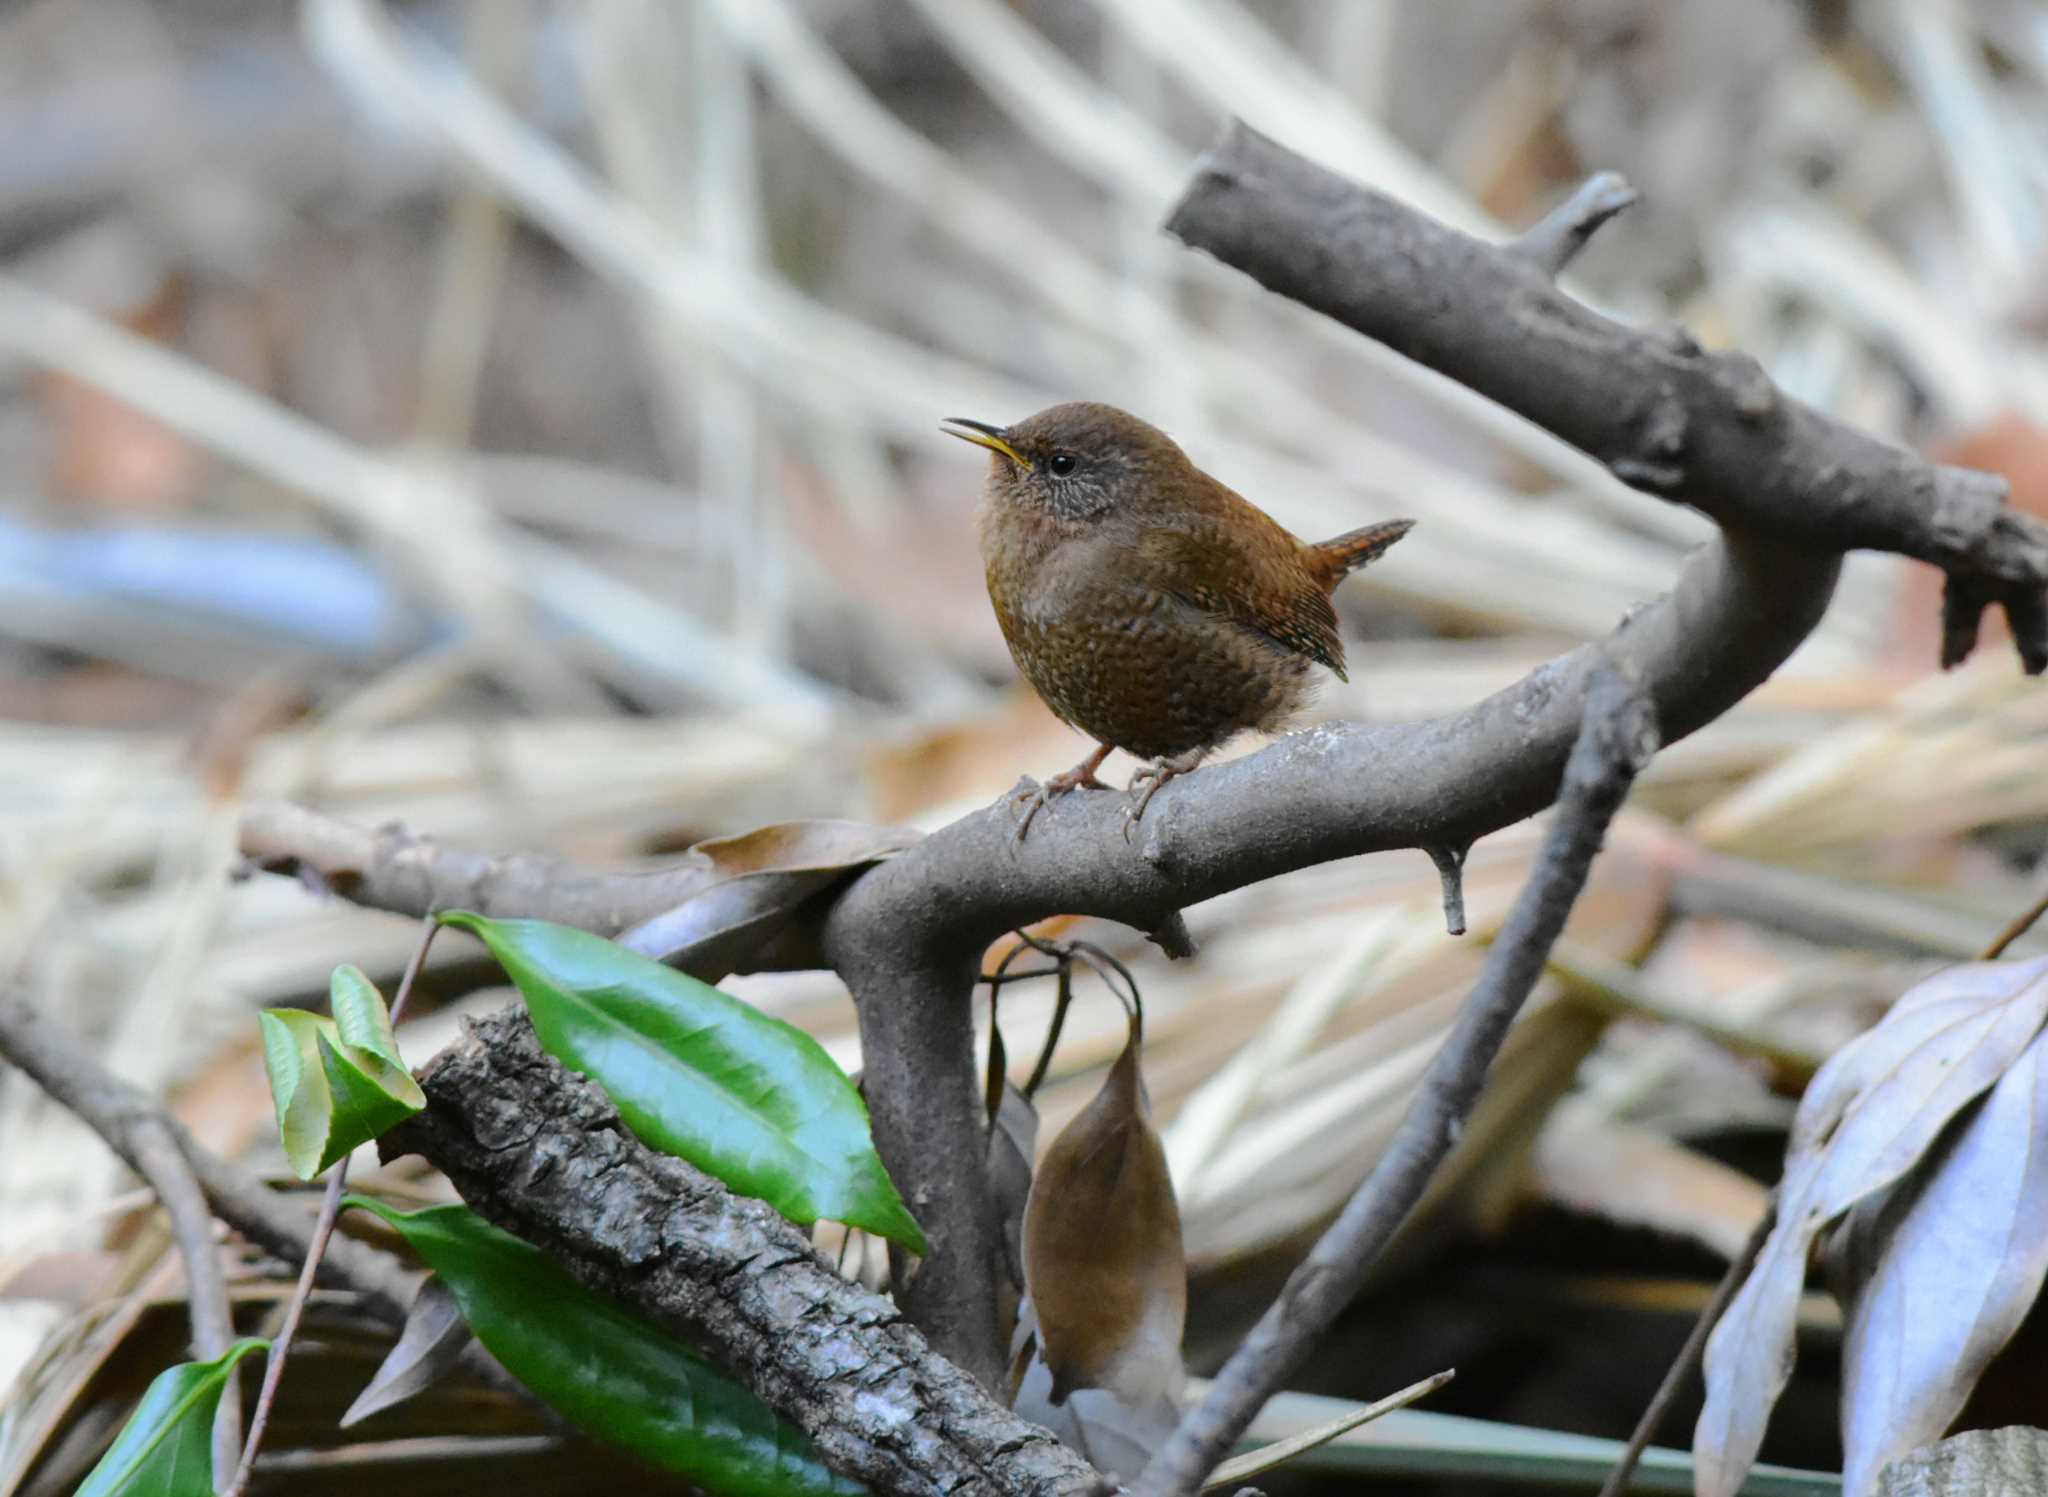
[{"x": 1060, "y": 464}]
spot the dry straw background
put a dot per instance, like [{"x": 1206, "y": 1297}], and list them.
[{"x": 520, "y": 420}]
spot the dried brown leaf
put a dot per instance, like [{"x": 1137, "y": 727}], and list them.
[
  {"x": 1102, "y": 1249},
  {"x": 754, "y": 884},
  {"x": 1870, "y": 1115},
  {"x": 428, "y": 1348},
  {"x": 1012, "y": 1143}
]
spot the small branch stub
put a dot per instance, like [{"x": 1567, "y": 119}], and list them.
[
  {"x": 1450, "y": 867},
  {"x": 1555, "y": 240}
]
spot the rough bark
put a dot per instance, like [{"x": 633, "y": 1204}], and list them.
[{"x": 543, "y": 1153}]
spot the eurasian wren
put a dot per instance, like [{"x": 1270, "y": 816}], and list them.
[{"x": 1152, "y": 607}]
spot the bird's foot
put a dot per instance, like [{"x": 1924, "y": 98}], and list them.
[
  {"x": 1080, "y": 777},
  {"x": 1146, "y": 782}
]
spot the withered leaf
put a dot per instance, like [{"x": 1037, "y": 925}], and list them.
[
  {"x": 1102, "y": 1249},
  {"x": 1012, "y": 1140},
  {"x": 754, "y": 883},
  {"x": 1869, "y": 1116},
  {"x": 1953, "y": 1259},
  {"x": 428, "y": 1348}
]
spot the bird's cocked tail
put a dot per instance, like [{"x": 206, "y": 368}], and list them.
[{"x": 1335, "y": 559}]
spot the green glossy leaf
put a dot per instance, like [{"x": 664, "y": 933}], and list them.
[
  {"x": 337, "y": 1082},
  {"x": 360, "y": 1017},
  {"x": 166, "y": 1448},
  {"x": 609, "y": 1374},
  {"x": 699, "y": 1074}
]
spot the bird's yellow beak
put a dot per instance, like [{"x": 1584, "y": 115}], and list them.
[{"x": 983, "y": 435}]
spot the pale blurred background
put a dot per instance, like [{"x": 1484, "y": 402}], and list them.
[{"x": 519, "y": 419}]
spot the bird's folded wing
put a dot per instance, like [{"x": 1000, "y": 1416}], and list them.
[{"x": 1252, "y": 577}]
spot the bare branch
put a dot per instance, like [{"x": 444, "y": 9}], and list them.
[
  {"x": 115, "y": 1110},
  {"x": 543, "y": 1153},
  {"x": 392, "y": 869},
  {"x": 1555, "y": 240},
  {"x": 1617, "y": 740},
  {"x": 1707, "y": 429},
  {"x": 1688, "y": 1358},
  {"x": 163, "y": 1164}
]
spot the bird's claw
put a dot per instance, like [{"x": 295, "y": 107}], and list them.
[
  {"x": 1035, "y": 799},
  {"x": 1150, "y": 778}
]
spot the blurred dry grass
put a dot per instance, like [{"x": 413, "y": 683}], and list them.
[{"x": 520, "y": 419}]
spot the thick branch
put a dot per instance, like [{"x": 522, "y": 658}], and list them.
[
  {"x": 1709, "y": 429},
  {"x": 544, "y": 1154},
  {"x": 1616, "y": 741},
  {"x": 121, "y": 1114}
]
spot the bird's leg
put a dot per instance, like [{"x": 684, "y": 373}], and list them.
[
  {"x": 1146, "y": 782},
  {"x": 1080, "y": 777}
]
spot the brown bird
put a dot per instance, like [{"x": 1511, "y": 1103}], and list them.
[{"x": 1152, "y": 607}]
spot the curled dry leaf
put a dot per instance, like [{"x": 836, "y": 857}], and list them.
[
  {"x": 431, "y": 1344},
  {"x": 1873, "y": 1111},
  {"x": 1102, "y": 1249},
  {"x": 1012, "y": 1140},
  {"x": 754, "y": 884},
  {"x": 1942, "y": 1271}
]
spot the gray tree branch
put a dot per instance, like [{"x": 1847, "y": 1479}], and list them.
[
  {"x": 1618, "y": 737},
  {"x": 1705, "y": 429},
  {"x": 125, "y": 1117},
  {"x": 161, "y": 1162}
]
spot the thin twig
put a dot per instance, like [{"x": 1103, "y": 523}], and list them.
[
  {"x": 1689, "y": 1354},
  {"x": 1103, "y": 964},
  {"x": 323, "y": 1229},
  {"x": 114, "y": 1109},
  {"x": 164, "y": 1165},
  {"x": 1062, "y": 1001},
  {"x": 1616, "y": 738},
  {"x": 1242, "y": 1467},
  {"x": 2021, "y": 924},
  {"x": 280, "y": 1347}
]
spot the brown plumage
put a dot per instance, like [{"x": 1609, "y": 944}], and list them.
[{"x": 1152, "y": 607}]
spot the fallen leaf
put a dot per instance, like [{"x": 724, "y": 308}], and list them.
[
  {"x": 1959, "y": 1250},
  {"x": 1012, "y": 1144},
  {"x": 431, "y": 1343},
  {"x": 754, "y": 883},
  {"x": 1872, "y": 1112}
]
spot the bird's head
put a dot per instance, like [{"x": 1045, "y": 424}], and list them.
[{"x": 1078, "y": 461}]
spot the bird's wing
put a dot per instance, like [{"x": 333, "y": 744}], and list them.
[{"x": 1251, "y": 575}]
